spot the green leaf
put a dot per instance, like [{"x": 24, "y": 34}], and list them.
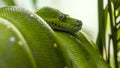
[
  {"x": 101, "y": 26},
  {"x": 34, "y": 4},
  {"x": 9, "y": 2},
  {"x": 118, "y": 12},
  {"x": 118, "y": 37},
  {"x": 117, "y": 4}
]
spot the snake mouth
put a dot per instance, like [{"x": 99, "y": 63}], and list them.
[
  {"x": 77, "y": 27},
  {"x": 57, "y": 27}
]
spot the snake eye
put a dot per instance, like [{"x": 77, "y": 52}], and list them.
[{"x": 62, "y": 17}]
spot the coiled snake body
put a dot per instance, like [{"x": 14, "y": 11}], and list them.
[{"x": 45, "y": 39}]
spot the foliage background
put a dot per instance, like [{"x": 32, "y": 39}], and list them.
[{"x": 94, "y": 17}]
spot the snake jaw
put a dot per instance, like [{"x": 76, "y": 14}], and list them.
[
  {"x": 63, "y": 27},
  {"x": 70, "y": 25},
  {"x": 77, "y": 27}
]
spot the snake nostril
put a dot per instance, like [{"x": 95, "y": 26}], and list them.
[{"x": 79, "y": 23}]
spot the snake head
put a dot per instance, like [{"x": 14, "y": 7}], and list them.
[{"x": 59, "y": 21}]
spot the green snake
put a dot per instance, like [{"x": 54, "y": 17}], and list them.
[{"x": 45, "y": 39}]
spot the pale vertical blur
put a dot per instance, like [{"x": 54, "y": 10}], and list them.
[{"x": 85, "y": 10}]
